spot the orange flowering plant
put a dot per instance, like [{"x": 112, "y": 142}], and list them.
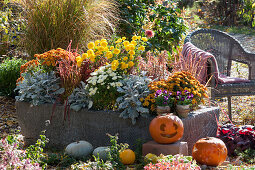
[
  {"x": 29, "y": 66},
  {"x": 61, "y": 62},
  {"x": 181, "y": 82},
  {"x": 49, "y": 60}
]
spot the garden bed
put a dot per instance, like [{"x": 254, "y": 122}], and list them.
[{"x": 92, "y": 126}]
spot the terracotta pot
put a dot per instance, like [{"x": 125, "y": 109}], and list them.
[
  {"x": 182, "y": 110},
  {"x": 163, "y": 109}
]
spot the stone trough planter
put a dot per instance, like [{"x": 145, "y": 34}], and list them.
[{"x": 92, "y": 126}]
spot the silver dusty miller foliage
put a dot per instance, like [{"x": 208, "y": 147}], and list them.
[
  {"x": 80, "y": 98},
  {"x": 39, "y": 88},
  {"x": 134, "y": 87}
]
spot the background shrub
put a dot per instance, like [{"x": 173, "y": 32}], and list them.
[
  {"x": 10, "y": 26},
  {"x": 133, "y": 14},
  {"x": 168, "y": 26},
  {"x": 9, "y": 73},
  {"x": 51, "y": 24},
  {"x": 164, "y": 19},
  {"x": 228, "y": 12}
]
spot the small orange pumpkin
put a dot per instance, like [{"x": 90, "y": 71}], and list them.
[
  {"x": 210, "y": 151},
  {"x": 127, "y": 156},
  {"x": 166, "y": 129}
]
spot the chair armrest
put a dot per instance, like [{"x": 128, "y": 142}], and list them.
[{"x": 252, "y": 71}]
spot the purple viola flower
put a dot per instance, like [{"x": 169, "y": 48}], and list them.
[
  {"x": 178, "y": 93},
  {"x": 165, "y": 98},
  {"x": 177, "y": 97},
  {"x": 158, "y": 92},
  {"x": 165, "y": 92},
  {"x": 182, "y": 98},
  {"x": 170, "y": 93},
  {"x": 165, "y": 102},
  {"x": 188, "y": 97},
  {"x": 191, "y": 95}
]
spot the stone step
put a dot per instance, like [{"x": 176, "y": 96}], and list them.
[{"x": 165, "y": 149}]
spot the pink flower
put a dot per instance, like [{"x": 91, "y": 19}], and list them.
[{"x": 149, "y": 33}]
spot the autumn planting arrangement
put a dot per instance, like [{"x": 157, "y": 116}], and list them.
[{"x": 114, "y": 74}]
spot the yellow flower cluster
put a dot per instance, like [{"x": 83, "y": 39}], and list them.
[
  {"x": 120, "y": 53},
  {"x": 179, "y": 81},
  {"x": 51, "y": 57}
]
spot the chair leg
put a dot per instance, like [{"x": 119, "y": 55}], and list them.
[
  {"x": 212, "y": 96},
  {"x": 229, "y": 108}
]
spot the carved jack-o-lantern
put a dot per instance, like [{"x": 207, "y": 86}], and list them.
[{"x": 166, "y": 129}]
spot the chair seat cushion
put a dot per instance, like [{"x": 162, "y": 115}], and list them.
[
  {"x": 235, "y": 89},
  {"x": 223, "y": 79}
]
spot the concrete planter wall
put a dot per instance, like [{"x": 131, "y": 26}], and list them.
[{"x": 92, "y": 126}]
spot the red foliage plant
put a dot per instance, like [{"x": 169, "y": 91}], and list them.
[{"x": 237, "y": 137}]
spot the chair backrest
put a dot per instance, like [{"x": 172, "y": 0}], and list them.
[{"x": 224, "y": 47}]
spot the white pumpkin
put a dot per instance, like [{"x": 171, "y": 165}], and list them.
[
  {"x": 79, "y": 149},
  {"x": 102, "y": 152}
]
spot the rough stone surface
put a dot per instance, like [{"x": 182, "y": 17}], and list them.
[
  {"x": 165, "y": 149},
  {"x": 199, "y": 124},
  {"x": 92, "y": 126}
]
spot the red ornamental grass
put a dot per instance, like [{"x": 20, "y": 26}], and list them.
[
  {"x": 70, "y": 75},
  {"x": 88, "y": 67},
  {"x": 85, "y": 70}
]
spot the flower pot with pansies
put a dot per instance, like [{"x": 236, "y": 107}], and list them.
[
  {"x": 183, "y": 102},
  {"x": 164, "y": 101}
]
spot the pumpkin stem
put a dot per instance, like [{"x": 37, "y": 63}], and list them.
[{"x": 207, "y": 138}]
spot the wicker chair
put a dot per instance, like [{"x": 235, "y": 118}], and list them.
[{"x": 225, "y": 49}]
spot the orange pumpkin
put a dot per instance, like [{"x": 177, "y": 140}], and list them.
[
  {"x": 166, "y": 129},
  {"x": 127, "y": 156},
  {"x": 210, "y": 151}
]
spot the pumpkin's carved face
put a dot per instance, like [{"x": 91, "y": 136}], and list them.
[{"x": 166, "y": 129}]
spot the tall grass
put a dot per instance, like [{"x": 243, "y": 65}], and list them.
[
  {"x": 154, "y": 66},
  {"x": 193, "y": 63},
  {"x": 54, "y": 23}
]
